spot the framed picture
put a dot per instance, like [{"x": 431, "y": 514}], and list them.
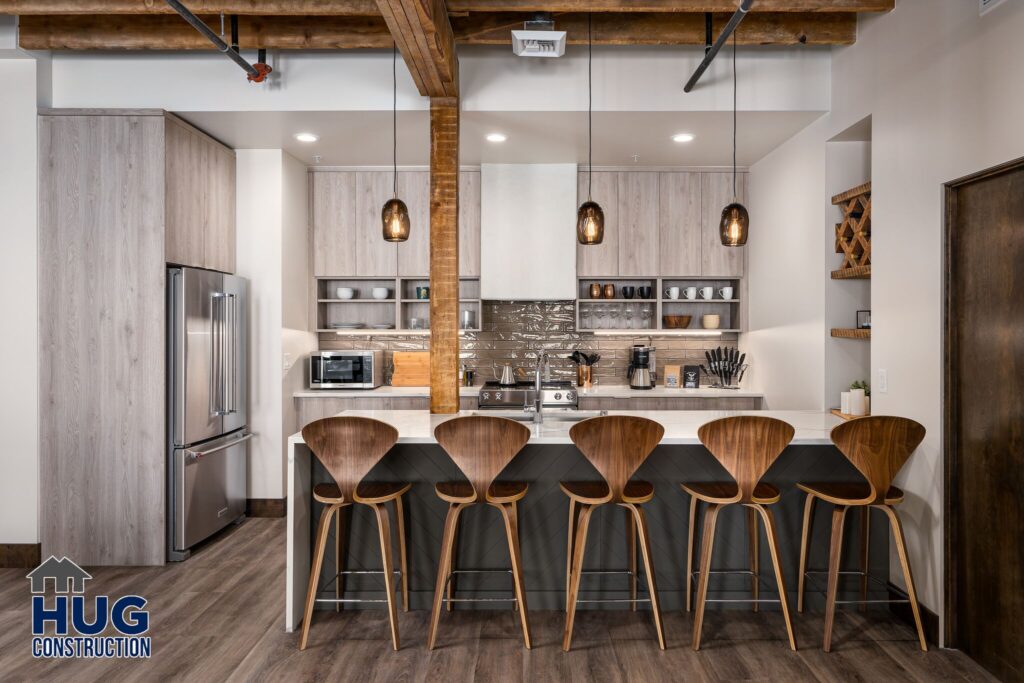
[{"x": 863, "y": 320}]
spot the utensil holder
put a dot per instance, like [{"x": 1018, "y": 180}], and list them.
[{"x": 584, "y": 376}]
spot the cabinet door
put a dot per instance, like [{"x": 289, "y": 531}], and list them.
[
  {"x": 716, "y": 194},
  {"x": 414, "y": 253},
  {"x": 600, "y": 260},
  {"x": 374, "y": 256},
  {"x": 679, "y": 244},
  {"x": 220, "y": 236},
  {"x": 469, "y": 224},
  {"x": 638, "y": 224},
  {"x": 187, "y": 216},
  {"x": 334, "y": 223}
]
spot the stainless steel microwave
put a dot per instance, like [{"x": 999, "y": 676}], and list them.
[{"x": 346, "y": 369}]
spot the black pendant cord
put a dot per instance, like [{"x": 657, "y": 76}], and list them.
[
  {"x": 590, "y": 105},
  {"x": 394, "y": 119},
  {"x": 734, "y": 195}
]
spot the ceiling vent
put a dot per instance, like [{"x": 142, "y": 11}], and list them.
[{"x": 539, "y": 38}]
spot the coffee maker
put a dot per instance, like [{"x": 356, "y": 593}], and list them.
[{"x": 641, "y": 371}]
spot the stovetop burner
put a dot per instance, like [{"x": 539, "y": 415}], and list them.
[
  {"x": 527, "y": 384},
  {"x": 554, "y": 393}
]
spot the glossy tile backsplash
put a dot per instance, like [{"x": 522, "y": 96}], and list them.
[{"x": 514, "y": 331}]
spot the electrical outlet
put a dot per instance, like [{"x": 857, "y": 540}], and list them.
[
  {"x": 288, "y": 362},
  {"x": 883, "y": 381}
]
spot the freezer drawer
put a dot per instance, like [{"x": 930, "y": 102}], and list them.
[{"x": 209, "y": 487}]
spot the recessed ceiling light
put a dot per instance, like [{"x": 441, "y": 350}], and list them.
[
  {"x": 307, "y": 137},
  {"x": 682, "y": 137},
  {"x": 496, "y": 137}
]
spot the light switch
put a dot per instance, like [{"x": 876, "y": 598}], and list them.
[
  {"x": 288, "y": 362},
  {"x": 883, "y": 381}
]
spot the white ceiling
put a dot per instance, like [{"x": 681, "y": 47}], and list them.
[{"x": 363, "y": 138}]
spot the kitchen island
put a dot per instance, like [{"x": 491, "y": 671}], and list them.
[{"x": 548, "y": 458}]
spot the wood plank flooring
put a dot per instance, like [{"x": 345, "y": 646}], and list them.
[{"x": 219, "y": 617}]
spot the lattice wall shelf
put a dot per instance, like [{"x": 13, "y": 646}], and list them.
[{"x": 853, "y": 234}]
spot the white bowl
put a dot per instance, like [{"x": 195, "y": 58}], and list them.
[
  {"x": 345, "y": 293},
  {"x": 380, "y": 292},
  {"x": 710, "y": 322}
]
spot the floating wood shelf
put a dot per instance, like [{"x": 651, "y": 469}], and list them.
[
  {"x": 849, "y": 333},
  {"x": 855, "y": 273},
  {"x": 851, "y": 193},
  {"x": 845, "y": 416}
]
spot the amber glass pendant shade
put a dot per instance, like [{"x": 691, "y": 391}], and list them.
[
  {"x": 395, "y": 217},
  {"x": 590, "y": 223},
  {"x": 733, "y": 228}
]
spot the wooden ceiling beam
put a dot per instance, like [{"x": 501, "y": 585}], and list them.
[
  {"x": 673, "y": 6},
  {"x": 296, "y": 8},
  {"x": 170, "y": 32},
  {"x": 423, "y": 33}
]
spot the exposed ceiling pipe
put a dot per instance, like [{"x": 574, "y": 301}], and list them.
[
  {"x": 257, "y": 72},
  {"x": 709, "y": 55}
]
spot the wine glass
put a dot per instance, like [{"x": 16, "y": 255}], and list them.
[
  {"x": 615, "y": 313},
  {"x": 629, "y": 316},
  {"x": 602, "y": 311},
  {"x": 646, "y": 313}
]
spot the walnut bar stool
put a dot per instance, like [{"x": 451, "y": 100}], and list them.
[
  {"x": 746, "y": 446},
  {"x": 616, "y": 445},
  {"x": 348, "y": 448},
  {"x": 878, "y": 447},
  {"x": 481, "y": 447}
]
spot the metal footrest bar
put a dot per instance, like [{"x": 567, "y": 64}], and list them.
[
  {"x": 615, "y": 600},
  {"x": 695, "y": 576},
  {"x": 445, "y": 599},
  {"x": 337, "y": 600},
  {"x": 885, "y": 584},
  {"x": 744, "y": 600},
  {"x": 350, "y": 572},
  {"x": 607, "y": 571},
  {"x": 871, "y": 602}
]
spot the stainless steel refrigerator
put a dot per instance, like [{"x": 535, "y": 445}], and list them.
[{"x": 207, "y": 421}]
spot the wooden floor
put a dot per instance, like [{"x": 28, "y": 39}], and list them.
[{"x": 219, "y": 617}]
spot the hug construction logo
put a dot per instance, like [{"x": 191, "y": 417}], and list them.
[{"x": 114, "y": 631}]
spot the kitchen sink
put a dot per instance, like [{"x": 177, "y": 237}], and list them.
[{"x": 553, "y": 415}]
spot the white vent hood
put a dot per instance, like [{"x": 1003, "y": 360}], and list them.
[{"x": 528, "y": 232}]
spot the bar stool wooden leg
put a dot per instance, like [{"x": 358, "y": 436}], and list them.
[
  {"x": 652, "y": 587},
  {"x": 339, "y": 545},
  {"x": 865, "y": 549},
  {"x": 444, "y": 568},
  {"x": 631, "y": 554},
  {"x": 691, "y": 545},
  {"x": 449, "y": 606},
  {"x": 755, "y": 584},
  {"x": 706, "y": 546},
  {"x": 901, "y": 549},
  {"x": 834, "y": 555},
  {"x": 314, "y": 572},
  {"x": 574, "y": 514},
  {"x": 580, "y": 542},
  {"x": 509, "y": 513},
  {"x": 384, "y": 526},
  {"x": 403, "y": 563},
  {"x": 805, "y": 550},
  {"x": 773, "y": 548}
]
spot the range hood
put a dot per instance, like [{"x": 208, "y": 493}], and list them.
[{"x": 528, "y": 232}]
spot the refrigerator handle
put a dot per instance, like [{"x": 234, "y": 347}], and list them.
[
  {"x": 217, "y": 316},
  {"x": 231, "y": 376}
]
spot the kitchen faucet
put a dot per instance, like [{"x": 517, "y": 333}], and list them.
[{"x": 538, "y": 400}]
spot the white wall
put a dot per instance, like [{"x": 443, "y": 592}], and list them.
[
  {"x": 19, "y": 348},
  {"x": 272, "y": 254}
]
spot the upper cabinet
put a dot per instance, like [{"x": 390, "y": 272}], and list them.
[
  {"x": 716, "y": 194},
  {"x": 345, "y": 224},
  {"x": 679, "y": 244},
  {"x": 600, "y": 260},
  {"x": 638, "y": 224},
  {"x": 200, "y": 199}
]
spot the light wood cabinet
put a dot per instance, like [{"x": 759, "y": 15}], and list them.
[
  {"x": 669, "y": 403},
  {"x": 414, "y": 253},
  {"x": 600, "y": 260},
  {"x": 638, "y": 224},
  {"x": 716, "y": 194},
  {"x": 373, "y": 256},
  {"x": 679, "y": 243},
  {"x": 469, "y": 224},
  {"x": 200, "y": 198},
  {"x": 333, "y": 217}
]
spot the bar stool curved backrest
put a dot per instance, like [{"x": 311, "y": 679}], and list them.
[
  {"x": 746, "y": 446},
  {"x": 349, "y": 447},
  {"x": 616, "y": 445},
  {"x": 878, "y": 446},
  {"x": 481, "y": 446}
]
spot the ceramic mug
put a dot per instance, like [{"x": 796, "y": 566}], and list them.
[
  {"x": 609, "y": 291},
  {"x": 595, "y": 291},
  {"x": 628, "y": 292},
  {"x": 672, "y": 293},
  {"x": 380, "y": 292},
  {"x": 423, "y": 293},
  {"x": 725, "y": 292},
  {"x": 707, "y": 292},
  {"x": 644, "y": 292},
  {"x": 691, "y": 293},
  {"x": 345, "y": 292}
]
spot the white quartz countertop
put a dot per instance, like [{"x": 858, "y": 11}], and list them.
[
  {"x": 417, "y": 426},
  {"x": 597, "y": 391}
]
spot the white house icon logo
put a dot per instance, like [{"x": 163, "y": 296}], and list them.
[{"x": 67, "y": 576}]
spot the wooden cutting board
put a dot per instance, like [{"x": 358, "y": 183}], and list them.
[{"x": 412, "y": 369}]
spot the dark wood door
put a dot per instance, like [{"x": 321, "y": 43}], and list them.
[{"x": 985, "y": 418}]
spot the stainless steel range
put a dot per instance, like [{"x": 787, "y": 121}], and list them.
[{"x": 554, "y": 394}]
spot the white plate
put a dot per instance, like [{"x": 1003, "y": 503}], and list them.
[{"x": 385, "y": 326}]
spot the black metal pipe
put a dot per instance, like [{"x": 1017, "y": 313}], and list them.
[
  {"x": 234, "y": 32},
  {"x": 198, "y": 25},
  {"x": 708, "y": 32},
  {"x": 709, "y": 55}
]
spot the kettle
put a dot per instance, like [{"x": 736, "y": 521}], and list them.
[{"x": 508, "y": 378}]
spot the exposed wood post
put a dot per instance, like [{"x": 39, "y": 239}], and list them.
[{"x": 444, "y": 254}]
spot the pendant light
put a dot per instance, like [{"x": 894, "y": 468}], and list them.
[
  {"x": 735, "y": 219},
  {"x": 395, "y": 215},
  {"x": 590, "y": 217}
]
